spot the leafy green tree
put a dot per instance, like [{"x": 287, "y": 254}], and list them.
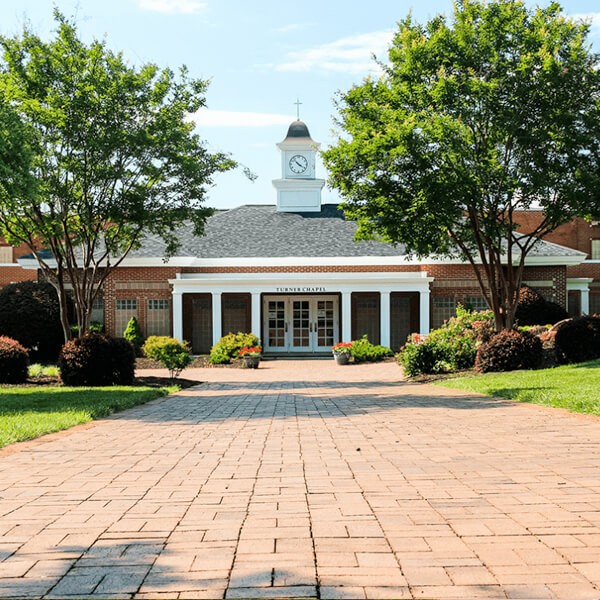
[
  {"x": 474, "y": 119},
  {"x": 104, "y": 152}
]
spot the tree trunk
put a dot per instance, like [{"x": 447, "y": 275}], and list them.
[{"x": 64, "y": 309}]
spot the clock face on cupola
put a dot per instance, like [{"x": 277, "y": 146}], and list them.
[
  {"x": 298, "y": 190},
  {"x": 298, "y": 164},
  {"x": 299, "y": 151}
]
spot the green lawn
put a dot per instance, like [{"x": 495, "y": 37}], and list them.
[
  {"x": 28, "y": 412},
  {"x": 574, "y": 387}
]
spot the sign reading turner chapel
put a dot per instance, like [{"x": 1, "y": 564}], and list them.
[{"x": 301, "y": 290}]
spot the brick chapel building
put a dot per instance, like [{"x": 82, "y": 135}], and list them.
[{"x": 293, "y": 274}]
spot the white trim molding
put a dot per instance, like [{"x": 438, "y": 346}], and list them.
[{"x": 582, "y": 285}]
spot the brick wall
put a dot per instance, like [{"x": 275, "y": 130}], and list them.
[
  {"x": 16, "y": 274},
  {"x": 575, "y": 234},
  {"x": 460, "y": 281},
  {"x": 142, "y": 284},
  {"x": 585, "y": 270},
  {"x": 13, "y": 274}
]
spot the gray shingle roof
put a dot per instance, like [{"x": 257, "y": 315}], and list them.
[{"x": 260, "y": 231}]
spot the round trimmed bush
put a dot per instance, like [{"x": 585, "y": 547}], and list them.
[
  {"x": 229, "y": 345},
  {"x": 96, "y": 359},
  {"x": 30, "y": 314},
  {"x": 363, "y": 351},
  {"x": 509, "y": 351},
  {"x": 123, "y": 360},
  {"x": 534, "y": 309},
  {"x": 577, "y": 340},
  {"x": 424, "y": 358},
  {"x": 14, "y": 361}
]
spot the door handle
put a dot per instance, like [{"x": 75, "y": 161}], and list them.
[{"x": 285, "y": 328}]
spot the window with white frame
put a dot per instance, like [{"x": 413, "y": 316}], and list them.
[
  {"x": 158, "y": 318},
  {"x": 125, "y": 309},
  {"x": 97, "y": 315},
  {"x": 6, "y": 254},
  {"x": 476, "y": 303},
  {"x": 595, "y": 249},
  {"x": 444, "y": 307}
]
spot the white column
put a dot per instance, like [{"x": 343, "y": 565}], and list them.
[
  {"x": 256, "y": 313},
  {"x": 346, "y": 317},
  {"x": 424, "y": 311},
  {"x": 384, "y": 318},
  {"x": 178, "y": 316},
  {"x": 217, "y": 319},
  {"x": 585, "y": 301}
]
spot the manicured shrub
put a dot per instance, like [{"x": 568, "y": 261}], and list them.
[
  {"x": 172, "y": 354},
  {"x": 97, "y": 359},
  {"x": 14, "y": 361},
  {"x": 577, "y": 340},
  {"x": 133, "y": 334},
  {"x": 123, "y": 361},
  {"x": 37, "y": 370},
  {"x": 30, "y": 314},
  {"x": 508, "y": 351},
  {"x": 449, "y": 348},
  {"x": 420, "y": 357},
  {"x": 229, "y": 345},
  {"x": 534, "y": 309},
  {"x": 363, "y": 351}
]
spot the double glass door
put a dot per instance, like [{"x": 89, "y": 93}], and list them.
[{"x": 300, "y": 323}]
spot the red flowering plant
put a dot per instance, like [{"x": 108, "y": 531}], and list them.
[
  {"x": 250, "y": 351},
  {"x": 342, "y": 348},
  {"x": 418, "y": 338}
]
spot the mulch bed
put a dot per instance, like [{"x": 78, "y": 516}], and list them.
[
  {"x": 165, "y": 381},
  {"x": 147, "y": 381},
  {"x": 199, "y": 362}
]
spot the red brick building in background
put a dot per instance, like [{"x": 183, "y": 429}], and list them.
[
  {"x": 10, "y": 270},
  {"x": 583, "y": 280},
  {"x": 293, "y": 274}
]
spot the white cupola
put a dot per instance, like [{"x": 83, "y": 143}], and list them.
[{"x": 298, "y": 190}]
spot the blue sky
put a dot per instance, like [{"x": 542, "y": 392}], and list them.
[{"x": 259, "y": 56}]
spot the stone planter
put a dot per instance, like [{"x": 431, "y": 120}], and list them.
[
  {"x": 342, "y": 358},
  {"x": 251, "y": 361}
]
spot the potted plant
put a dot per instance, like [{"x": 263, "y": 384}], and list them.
[
  {"x": 342, "y": 352},
  {"x": 251, "y": 356}
]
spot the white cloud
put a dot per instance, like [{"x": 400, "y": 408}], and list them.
[
  {"x": 172, "y": 6},
  {"x": 224, "y": 118},
  {"x": 593, "y": 18},
  {"x": 350, "y": 54}
]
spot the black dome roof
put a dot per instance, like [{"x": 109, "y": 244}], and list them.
[{"x": 298, "y": 129}]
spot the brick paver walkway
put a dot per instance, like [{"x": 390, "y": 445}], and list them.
[{"x": 307, "y": 479}]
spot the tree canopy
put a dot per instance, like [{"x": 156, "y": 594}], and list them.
[
  {"x": 473, "y": 119},
  {"x": 94, "y": 152}
]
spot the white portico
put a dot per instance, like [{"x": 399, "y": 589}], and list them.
[{"x": 305, "y": 312}]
